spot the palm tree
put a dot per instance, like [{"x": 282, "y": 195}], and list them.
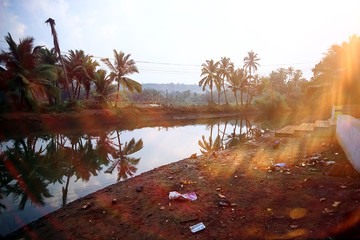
[
  {"x": 103, "y": 84},
  {"x": 57, "y": 49},
  {"x": 27, "y": 79},
  {"x": 225, "y": 68},
  {"x": 81, "y": 68},
  {"x": 210, "y": 72},
  {"x": 123, "y": 66},
  {"x": 237, "y": 81},
  {"x": 251, "y": 62},
  {"x": 290, "y": 73}
]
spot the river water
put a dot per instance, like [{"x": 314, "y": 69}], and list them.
[{"x": 40, "y": 174}]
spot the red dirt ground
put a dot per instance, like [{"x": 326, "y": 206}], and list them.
[{"x": 302, "y": 200}]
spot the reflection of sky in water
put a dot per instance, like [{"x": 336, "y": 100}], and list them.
[{"x": 161, "y": 146}]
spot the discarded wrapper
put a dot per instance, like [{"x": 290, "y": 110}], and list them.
[
  {"x": 197, "y": 227},
  {"x": 175, "y": 195},
  {"x": 280, "y": 164}
]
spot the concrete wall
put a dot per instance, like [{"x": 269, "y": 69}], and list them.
[{"x": 348, "y": 136}]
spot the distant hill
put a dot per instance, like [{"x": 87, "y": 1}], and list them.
[{"x": 172, "y": 87}]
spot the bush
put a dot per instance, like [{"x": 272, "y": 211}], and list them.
[{"x": 269, "y": 106}]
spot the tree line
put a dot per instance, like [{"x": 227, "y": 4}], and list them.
[{"x": 31, "y": 76}]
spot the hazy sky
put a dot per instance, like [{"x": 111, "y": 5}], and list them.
[{"x": 181, "y": 35}]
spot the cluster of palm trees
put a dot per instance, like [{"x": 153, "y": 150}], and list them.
[
  {"x": 222, "y": 75},
  {"x": 30, "y": 76}
]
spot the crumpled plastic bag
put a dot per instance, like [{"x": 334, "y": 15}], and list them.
[{"x": 189, "y": 196}]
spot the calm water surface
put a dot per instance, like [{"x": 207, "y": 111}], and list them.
[{"x": 41, "y": 174}]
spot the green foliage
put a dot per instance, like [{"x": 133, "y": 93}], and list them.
[{"x": 270, "y": 106}]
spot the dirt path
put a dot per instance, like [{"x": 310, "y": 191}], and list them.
[{"x": 241, "y": 195}]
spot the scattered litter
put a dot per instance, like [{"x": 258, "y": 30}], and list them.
[
  {"x": 218, "y": 189},
  {"x": 279, "y": 167},
  {"x": 162, "y": 207},
  {"x": 197, "y": 227},
  {"x": 86, "y": 206},
  {"x": 294, "y": 226},
  {"x": 336, "y": 153},
  {"x": 187, "y": 182},
  {"x": 170, "y": 178},
  {"x": 175, "y": 195},
  {"x": 328, "y": 211},
  {"x": 113, "y": 202},
  {"x": 314, "y": 170},
  {"x": 343, "y": 186},
  {"x": 330, "y": 163},
  {"x": 336, "y": 204},
  {"x": 255, "y": 168},
  {"x": 224, "y": 203},
  {"x": 222, "y": 196},
  {"x": 139, "y": 188},
  {"x": 201, "y": 177},
  {"x": 276, "y": 144},
  {"x": 322, "y": 199}
]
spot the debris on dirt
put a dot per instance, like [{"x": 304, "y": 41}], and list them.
[
  {"x": 175, "y": 195},
  {"x": 139, "y": 188},
  {"x": 224, "y": 203},
  {"x": 114, "y": 201},
  {"x": 86, "y": 206},
  {"x": 276, "y": 144},
  {"x": 336, "y": 204},
  {"x": 220, "y": 195},
  {"x": 197, "y": 227},
  {"x": 187, "y": 182},
  {"x": 322, "y": 199}
]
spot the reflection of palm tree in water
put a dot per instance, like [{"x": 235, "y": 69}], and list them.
[
  {"x": 22, "y": 172},
  {"x": 125, "y": 164},
  {"x": 250, "y": 132},
  {"x": 209, "y": 146}
]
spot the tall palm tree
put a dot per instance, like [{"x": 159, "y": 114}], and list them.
[
  {"x": 28, "y": 80},
  {"x": 251, "y": 62},
  {"x": 81, "y": 68},
  {"x": 57, "y": 49},
  {"x": 210, "y": 72},
  {"x": 123, "y": 66},
  {"x": 225, "y": 69}
]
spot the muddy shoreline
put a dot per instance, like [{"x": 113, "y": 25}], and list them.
[{"x": 241, "y": 195}]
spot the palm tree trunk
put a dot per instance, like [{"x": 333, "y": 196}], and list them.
[
  {"x": 117, "y": 94},
  {"x": 212, "y": 98},
  {"x": 218, "y": 97},
  {"x": 226, "y": 101},
  {"x": 237, "y": 104},
  {"x": 241, "y": 96}
]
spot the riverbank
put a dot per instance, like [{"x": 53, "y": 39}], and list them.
[
  {"x": 128, "y": 117},
  {"x": 241, "y": 194}
]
